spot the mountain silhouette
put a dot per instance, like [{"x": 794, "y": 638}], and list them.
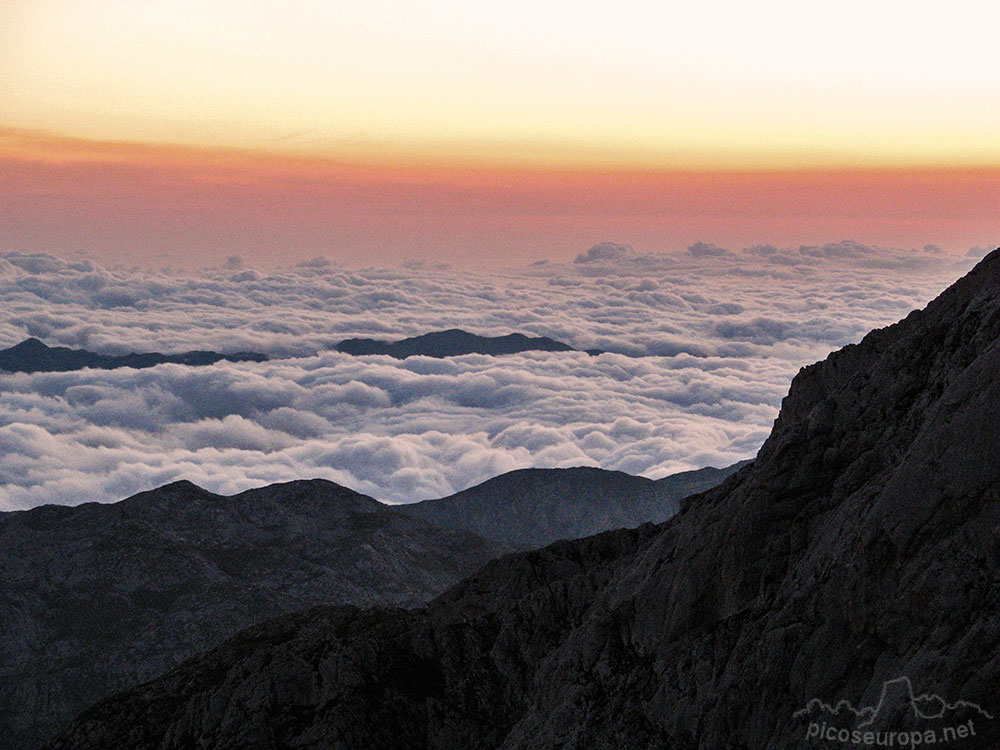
[
  {"x": 533, "y": 507},
  {"x": 860, "y": 545},
  {"x": 452, "y": 343},
  {"x": 32, "y": 355}
]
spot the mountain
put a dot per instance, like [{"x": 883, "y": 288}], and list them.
[
  {"x": 97, "y": 598},
  {"x": 452, "y": 343},
  {"x": 31, "y": 355},
  {"x": 859, "y": 547},
  {"x": 102, "y": 597},
  {"x": 694, "y": 482},
  {"x": 533, "y": 507}
]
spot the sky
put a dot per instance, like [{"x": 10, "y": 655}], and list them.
[{"x": 474, "y": 134}]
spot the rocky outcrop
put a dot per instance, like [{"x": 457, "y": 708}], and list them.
[
  {"x": 530, "y": 508},
  {"x": 32, "y": 355},
  {"x": 859, "y": 548},
  {"x": 97, "y": 598}
]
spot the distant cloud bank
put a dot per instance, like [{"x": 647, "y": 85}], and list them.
[{"x": 722, "y": 332}]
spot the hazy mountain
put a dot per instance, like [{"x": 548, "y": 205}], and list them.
[
  {"x": 534, "y": 507},
  {"x": 452, "y": 343},
  {"x": 686, "y": 483},
  {"x": 96, "y": 598},
  {"x": 859, "y": 547},
  {"x": 31, "y": 355}
]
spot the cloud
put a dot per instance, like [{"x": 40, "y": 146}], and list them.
[
  {"x": 603, "y": 252},
  {"x": 700, "y": 349},
  {"x": 703, "y": 249}
]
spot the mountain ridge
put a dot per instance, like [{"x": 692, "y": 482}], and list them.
[
  {"x": 454, "y": 342},
  {"x": 33, "y": 355},
  {"x": 102, "y": 596},
  {"x": 530, "y": 508},
  {"x": 858, "y": 547}
]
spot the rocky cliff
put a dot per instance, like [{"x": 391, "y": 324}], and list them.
[{"x": 859, "y": 548}]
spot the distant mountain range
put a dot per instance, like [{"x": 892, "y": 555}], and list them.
[
  {"x": 455, "y": 342},
  {"x": 32, "y": 355},
  {"x": 859, "y": 548},
  {"x": 534, "y": 507},
  {"x": 98, "y": 598}
]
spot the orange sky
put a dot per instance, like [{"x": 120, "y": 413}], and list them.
[
  {"x": 374, "y": 132},
  {"x": 159, "y": 205}
]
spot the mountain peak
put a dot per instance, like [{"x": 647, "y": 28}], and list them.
[
  {"x": 183, "y": 487},
  {"x": 173, "y": 494},
  {"x": 30, "y": 344},
  {"x": 311, "y": 491}
]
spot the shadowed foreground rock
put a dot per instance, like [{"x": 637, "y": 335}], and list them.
[
  {"x": 859, "y": 548},
  {"x": 98, "y": 598}
]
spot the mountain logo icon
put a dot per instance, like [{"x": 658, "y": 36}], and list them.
[{"x": 897, "y": 700}]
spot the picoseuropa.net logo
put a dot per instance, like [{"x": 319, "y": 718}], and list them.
[{"x": 899, "y": 719}]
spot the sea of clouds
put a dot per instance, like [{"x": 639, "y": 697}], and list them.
[{"x": 701, "y": 347}]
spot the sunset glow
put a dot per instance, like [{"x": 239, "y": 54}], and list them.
[
  {"x": 160, "y": 204},
  {"x": 717, "y": 84},
  {"x": 521, "y": 130}
]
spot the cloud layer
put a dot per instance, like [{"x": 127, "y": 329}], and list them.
[{"x": 702, "y": 345}]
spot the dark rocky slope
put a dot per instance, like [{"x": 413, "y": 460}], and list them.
[
  {"x": 452, "y": 343},
  {"x": 32, "y": 355},
  {"x": 530, "y": 508},
  {"x": 860, "y": 547},
  {"x": 97, "y": 598},
  {"x": 103, "y": 597}
]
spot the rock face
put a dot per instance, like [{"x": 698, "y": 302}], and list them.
[
  {"x": 530, "y": 508},
  {"x": 31, "y": 355},
  {"x": 97, "y": 598},
  {"x": 860, "y": 547},
  {"x": 452, "y": 343}
]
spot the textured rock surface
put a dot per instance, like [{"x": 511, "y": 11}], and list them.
[
  {"x": 31, "y": 355},
  {"x": 97, "y": 598},
  {"x": 533, "y": 507},
  {"x": 452, "y": 343},
  {"x": 861, "y": 546}
]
